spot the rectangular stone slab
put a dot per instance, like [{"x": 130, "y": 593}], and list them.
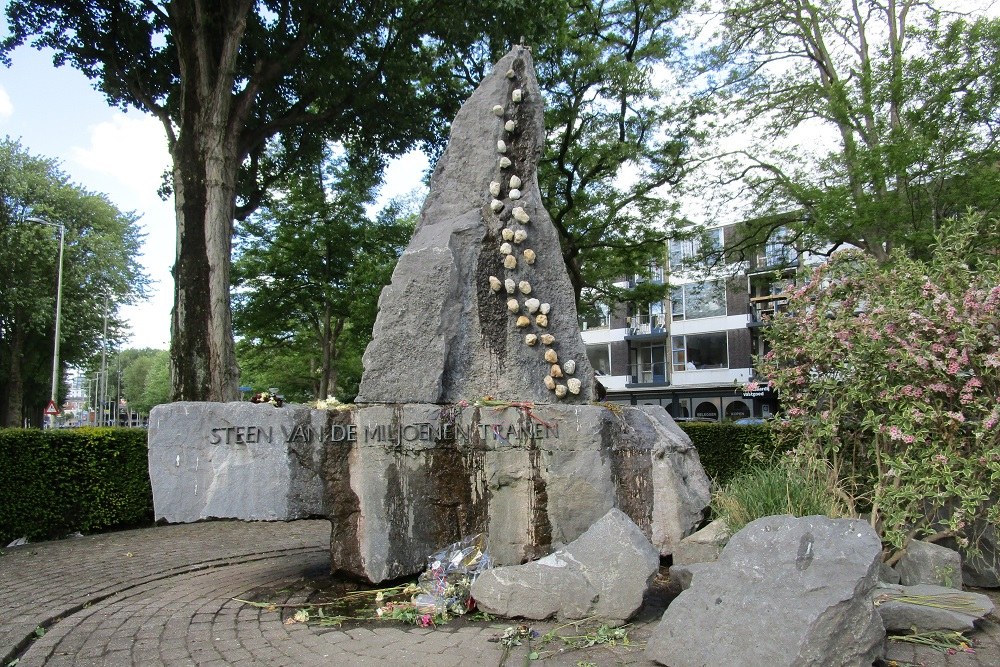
[{"x": 399, "y": 482}]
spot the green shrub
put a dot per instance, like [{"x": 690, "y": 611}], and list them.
[
  {"x": 726, "y": 449},
  {"x": 777, "y": 489},
  {"x": 60, "y": 481}
]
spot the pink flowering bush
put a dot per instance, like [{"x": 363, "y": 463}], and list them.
[{"x": 891, "y": 374}]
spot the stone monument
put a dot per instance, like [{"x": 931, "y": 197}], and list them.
[{"x": 475, "y": 410}]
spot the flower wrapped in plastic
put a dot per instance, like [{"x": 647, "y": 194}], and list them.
[{"x": 446, "y": 584}]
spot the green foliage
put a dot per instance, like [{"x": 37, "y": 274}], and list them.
[
  {"x": 889, "y": 373},
  {"x": 614, "y": 138},
  {"x": 726, "y": 449},
  {"x": 99, "y": 266},
  {"x": 59, "y": 481},
  {"x": 873, "y": 122},
  {"x": 309, "y": 270},
  {"x": 780, "y": 488}
]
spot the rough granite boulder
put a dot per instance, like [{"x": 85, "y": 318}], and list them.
[
  {"x": 927, "y": 563},
  {"x": 603, "y": 573},
  {"x": 785, "y": 591},
  {"x": 703, "y": 546},
  {"x": 926, "y": 607},
  {"x": 483, "y": 270}
]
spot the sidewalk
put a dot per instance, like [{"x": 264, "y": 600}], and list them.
[{"x": 163, "y": 596}]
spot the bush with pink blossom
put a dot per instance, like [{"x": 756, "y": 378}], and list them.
[{"x": 890, "y": 373}]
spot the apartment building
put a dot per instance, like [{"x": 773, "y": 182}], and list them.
[{"x": 694, "y": 352}]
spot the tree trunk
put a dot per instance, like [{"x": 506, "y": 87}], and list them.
[
  {"x": 15, "y": 381},
  {"x": 206, "y": 159}
]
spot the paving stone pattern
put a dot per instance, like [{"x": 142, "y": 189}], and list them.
[{"x": 163, "y": 596}]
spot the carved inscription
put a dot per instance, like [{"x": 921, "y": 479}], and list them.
[{"x": 382, "y": 433}]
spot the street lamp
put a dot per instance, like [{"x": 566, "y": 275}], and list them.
[{"x": 55, "y": 344}]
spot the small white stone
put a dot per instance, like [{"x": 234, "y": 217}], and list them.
[
  {"x": 560, "y": 390},
  {"x": 523, "y": 321},
  {"x": 525, "y": 287},
  {"x": 515, "y": 194},
  {"x": 495, "y": 284},
  {"x": 515, "y": 182},
  {"x": 573, "y": 384},
  {"x": 501, "y": 146},
  {"x": 542, "y": 320},
  {"x": 516, "y": 95},
  {"x": 505, "y": 249},
  {"x": 569, "y": 367},
  {"x": 510, "y": 262},
  {"x": 549, "y": 382},
  {"x": 555, "y": 371},
  {"x": 529, "y": 255},
  {"x": 495, "y": 188},
  {"x": 545, "y": 308},
  {"x": 509, "y": 285},
  {"x": 520, "y": 235},
  {"x": 510, "y": 125},
  {"x": 496, "y": 205},
  {"x": 547, "y": 339},
  {"x": 513, "y": 306},
  {"x": 520, "y": 215},
  {"x": 510, "y": 74},
  {"x": 498, "y": 110},
  {"x": 530, "y": 340},
  {"x": 504, "y": 162},
  {"x": 531, "y": 305},
  {"x": 507, "y": 234},
  {"x": 551, "y": 356}
]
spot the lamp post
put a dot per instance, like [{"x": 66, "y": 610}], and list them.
[{"x": 55, "y": 344}]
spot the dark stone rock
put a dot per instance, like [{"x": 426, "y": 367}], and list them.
[
  {"x": 603, "y": 573},
  {"x": 926, "y": 607},
  {"x": 927, "y": 563},
  {"x": 442, "y": 335},
  {"x": 784, "y": 591}
]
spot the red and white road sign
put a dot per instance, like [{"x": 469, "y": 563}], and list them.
[{"x": 51, "y": 408}]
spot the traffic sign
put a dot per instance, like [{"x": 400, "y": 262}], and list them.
[{"x": 51, "y": 408}]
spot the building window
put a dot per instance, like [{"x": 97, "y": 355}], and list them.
[
  {"x": 649, "y": 364},
  {"x": 778, "y": 250},
  {"x": 700, "y": 351},
  {"x": 596, "y": 316},
  {"x": 600, "y": 358},
  {"x": 707, "y": 409},
  {"x": 685, "y": 250},
  {"x": 696, "y": 300}
]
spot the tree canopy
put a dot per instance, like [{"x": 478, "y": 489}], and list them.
[
  {"x": 616, "y": 141},
  {"x": 99, "y": 266},
  {"x": 873, "y": 122},
  {"x": 309, "y": 269},
  {"x": 230, "y": 80}
]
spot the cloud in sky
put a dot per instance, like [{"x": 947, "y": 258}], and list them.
[
  {"x": 130, "y": 148},
  {"x": 6, "y": 106}
]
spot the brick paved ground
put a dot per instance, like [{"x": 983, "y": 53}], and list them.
[{"x": 164, "y": 596}]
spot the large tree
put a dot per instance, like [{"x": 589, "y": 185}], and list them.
[
  {"x": 870, "y": 121},
  {"x": 230, "y": 79},
  {"x": 99, "y": 269},
  {"x": 616, "y": 140},
  {"x": 309, "y": 269}
]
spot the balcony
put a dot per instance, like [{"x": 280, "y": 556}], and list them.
[
  {"x": 766, "y": 308},
  {"x": 646, "y": 327}
]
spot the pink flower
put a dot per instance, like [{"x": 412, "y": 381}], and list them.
[
  {"x": 939, "y": 458},
  {"x": 953, "y": 368},
  {"x": 908, "y": 439},
  {"x": 426, "y": 620}
]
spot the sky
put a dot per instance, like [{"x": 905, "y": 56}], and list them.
[{"x": 55, "y": 113}]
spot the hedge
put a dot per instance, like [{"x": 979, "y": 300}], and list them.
[
  {"x": 724, "y": 448},
  {"x": 60, "y": 481}
]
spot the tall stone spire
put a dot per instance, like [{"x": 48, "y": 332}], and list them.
[{"x": 480, "y": 303}]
